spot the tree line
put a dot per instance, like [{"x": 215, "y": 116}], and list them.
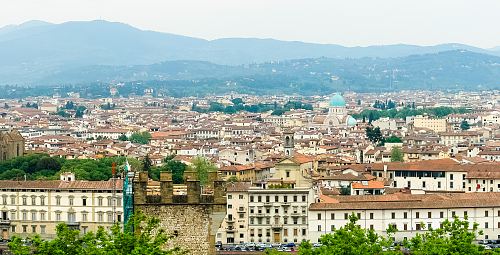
[
  {"x": 371, "y": 115},
  {"x": 238, "y": 106},
  {"x": 453, "y": 237}
]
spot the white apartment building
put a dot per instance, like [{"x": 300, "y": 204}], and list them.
[
  {"x": 37, "y": 207},
  {"x": 432, "y": 175},
  {"x": 265, "y": 215},
  {"x": 410, "y": 214}
]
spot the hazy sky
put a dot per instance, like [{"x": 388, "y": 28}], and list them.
[{"x": 348, "y": 22}]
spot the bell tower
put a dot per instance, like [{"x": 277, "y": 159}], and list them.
[{"x": 288, "y": 143}]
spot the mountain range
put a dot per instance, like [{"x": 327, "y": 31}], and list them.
[{"x": 42, "y": 53}]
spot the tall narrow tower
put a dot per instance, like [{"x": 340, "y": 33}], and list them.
[{"x": 288, "y": 143}]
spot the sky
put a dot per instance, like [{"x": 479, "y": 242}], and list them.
[{"x": 348, "y": 22}]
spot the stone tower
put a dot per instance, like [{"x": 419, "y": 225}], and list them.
[
  {"x": 189, "y": 213},
  {"x": 288, "y": 143},
  {"x": 11, "y": 144}
]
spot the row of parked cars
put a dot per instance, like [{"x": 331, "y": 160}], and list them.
[
  {"x": 258, "y": 246},
  {"x": 490, "y": 244}
]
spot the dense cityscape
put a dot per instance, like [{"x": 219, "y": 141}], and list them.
[
  {"x": 294, "y": 168},
  {"x": 221, "y": 127}
]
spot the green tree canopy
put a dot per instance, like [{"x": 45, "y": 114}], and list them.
[
  {"x": 396, "y": 154},
  {"x": 203, "y": 166},
  {"x": 142, "y": 235},
  {"x": 393, "y": 139},
  {"x": 464, "y": 125},
  {"x": 140, "y": 137}
]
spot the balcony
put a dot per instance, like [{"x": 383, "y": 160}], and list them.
[
  {"x": 268, "y": 204},
  {"x": 277, "y": 226},
  {"x": 260, "y": 214},
  {"x": 73, "y": 225},
  {"x": 230, "y": 220},
  {"x": 285, "y": 204},
  {"x": 230, "y": 229},
  {"x": 5, "y": 222},
  {"x": 242, "y": 210},
  {"x": 296, "y": 214}
]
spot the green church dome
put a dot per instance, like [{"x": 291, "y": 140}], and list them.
[
  {"x": 351, "y": 122},
  {"x": 337, "y": 101}
]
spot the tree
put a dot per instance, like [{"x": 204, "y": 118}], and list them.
[
  {"x": 464, "y": 125},
  {"x": 374, "y": 134},
  {"x": 350, "y": 239},
  {"x": 123, "y": 137},
  {"x": 140, "y": 137},
  {"x": 454, "y": 237},
  {"x": 146, "y": 164},
  {"x": 177, "y": 168},
  {"x": 202, "y": 166},
  {"x": 393, "y": 139},
  {"x": 80, "y": 110},
  {"x": 237, "y": 101},
  {"x": 396, "y": 154},
  {"x": 141, "y": 235}
]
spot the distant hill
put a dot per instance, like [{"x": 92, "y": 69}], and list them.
[
  {"x": 449, "y": 70},
  {"x": 37, "y": 52}
]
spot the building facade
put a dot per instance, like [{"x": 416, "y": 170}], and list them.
[
  {"x": 37, "y": 207},
  {"x": 11, "y": 144}
]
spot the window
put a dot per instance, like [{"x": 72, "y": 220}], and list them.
[
  {"x": 110, "y": 217},
  {"x": 33, "y": 200},
  {"x": 229, "y": 197},
  {"x": 110, "y": 201},
  {"x": 429, "y": 225},
  {"x": 393, "y": 215},
  {"x": 251, "y": 198},
  {"x": 42, "y": 201},
  {"x": 267, "y": 199},
  {"x": 240, "y": 196},
  {"x": 359, "y": 216},
  {"x": 417, "y": 215},
  {"x": 304, "y": 199},
  {"x": 84, "y": 201},
  {"x": 285, "y": 199},
  {"x": 42, "y": 215},
  {"x": 346, "y": 216},
  {"x": 429, "y": 215},
  {"x": 287, "y": 174},
  {"x": 332, "y": 216},
  {"x": 13, "y": 200},
  {"x": 486, "y": 225},
  {"x": 276, "y": 199},
  {"x": 33, "y": 228},
  {"x": 371, "y": 216},
  {"x": 13, "y": 229},
  {"x": 58, "y": 200},
  {"x": 418, "y": 227},
  {"x": 451, "y": 185},
  {"x": 4, "y": 200},
  {"x": 453, "y": 213},
  {"x": 405, "y": 226},
  {"x": 25, "y": 201},
  {"x": 33, "y": 216},
  {"x": 303, "y": 231},
  {"x": 99, "y": 201},
  {"x": 42, "y": 229},
  {"x": 405, "y": 215},
  {"x": 441, "y": 215},
  {"x": 71, "y": 201},
  {"x": 25, "y": 216},
  {"x": 451, "y": 176},
  {"x": 485, "y": 213},
  {"x": 465, "y": 213},
  {"x": 319, "y": 216},
  {"x": 439, "y": 185},
  {"x": 332, "y": 228},
  {"x": 25, "y": 228},
  {"x": 319, "y": 227},
  {"x": 100, "y": 216},
  {"x": 294, "y": 198},
  {"x": 71, "y": 217}
]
